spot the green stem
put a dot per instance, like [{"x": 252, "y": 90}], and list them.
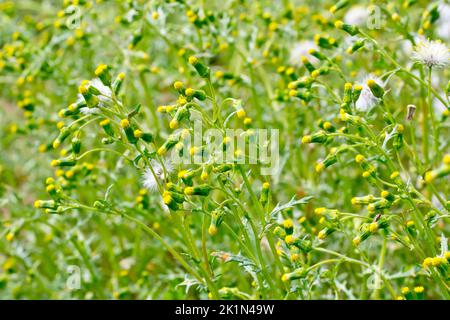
[
  {"x": 433, "y": 118},
  {"x": 169, "y": 248}
]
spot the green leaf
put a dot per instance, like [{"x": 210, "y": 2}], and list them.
[{"x": 135, "y": 111}]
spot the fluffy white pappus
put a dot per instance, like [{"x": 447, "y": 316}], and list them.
[
  {"x": 301, "y": 49},
  {"x": 367, "y": 100},
  {"x": 357, "y": 16},
  {"x": 88, "y": 111},
  {"x": 150, "y": 180},
  {"x": 105, "y": 92},
  {"x": 433, "y": 54}
]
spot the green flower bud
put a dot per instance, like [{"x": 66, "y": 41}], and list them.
[
  {"x": 63, "y": 134},
  {"x": 102, "y": 72},
  {"x": 296, "y": 274},
  {"x": 129, "y": 132},
  {"x": 364, "y": 200},
  {"x": 317, "y": 54},
  {"x": 187, "y": 176},
  {"x": 302, "y": 94},
  {"x": 106, "y": 125},
  {"x": 63, "y": 162},
  {"x": 66, "y": 113},
  {"x": 351, "y": 30},
  {"x": 375, "y": 88},
  {"x": 356, "y": 46},
  {"x": 182, "y": 112},
  {"x": 76, "y": 145},
  {"x": 279, "y": 232},
  {"x": 325, "y": 41},
  {"x": 199, "y": 190},
  {"x": 117, "y": 83},
  {"x": 74, "y": 107},
  {"x": 264, "y": 198},
  {"x": 216, "y": 219},
  {"x": 357, "y": 92},
  {"x": 135, "y": 39},
  {"x": 379, "y": 205},
  {"x": 303, "y": 244},
  {"x": 339, "y": 5},
  {"x": 172, "y": 200},
  {"x": 318, "y": 137},
  {"x": 201, "y": 68},
  {"x": 325, "y": 232},
  {"x": 199, "y": 94},
  {"x": 398, "y": 141},
  {"x": 147, "y": 137},
  {"x": 355, "y": 120},
  {"x": 45, "y": 204},
  {"x": 171, "y": 141},
  {"x": 347, "y": 93},
  {"x": 308, "y": 65},
  {"x": 304, "y": 82}
]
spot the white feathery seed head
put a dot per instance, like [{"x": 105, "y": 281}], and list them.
[
  {"x": 88, "y": 111},
  {"x": 357, "y": 16},
  {"x": 433, "y": 54},
  {"x": 105, "y": 92},
  {"x": 367, "y": 100},
  {"x": 302, "y": 49},
  {"x": 150, "y": 180}
]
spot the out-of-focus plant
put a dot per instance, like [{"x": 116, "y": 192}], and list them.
[{"x": 358, "y": 206}]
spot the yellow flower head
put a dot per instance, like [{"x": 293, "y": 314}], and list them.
[
  {"x": 373, "y": 227},
  {"x": 188, "y": 191},
  {"x": 306, "y": 139},
  {"x": 189, "y": 92},
  {"x": 137, "y": 133},
  {"x": 289, "y": 239},
  {"x": 419, "y": 289},
  {"x": 241, "y": 113},
  {"x": 356, "y": 241},
  {"x": 9, "y": 236},
  {"x": 430, "y": 176},
  {"x": 167, "y": 198},
  {"x": 288, "y": 223},
  {"x": 446, "y": 159},
  {"x": 212, "y": 230},
  {"x": 100, "y": 69},
  {"x": 359, "y": 158},
  {"x": 124, "y": 123},
  {"x": 322, "y": 234},
  {"x": 193, "y": 60},
  {"x": 178, "y": 85}
]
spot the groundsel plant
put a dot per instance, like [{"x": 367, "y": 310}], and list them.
[{"x": 238, "y": 150}]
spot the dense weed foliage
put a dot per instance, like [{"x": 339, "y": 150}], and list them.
[{"x": 325, "y": 174}]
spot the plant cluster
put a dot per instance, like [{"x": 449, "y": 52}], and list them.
[{"x": 101, "y": 100}]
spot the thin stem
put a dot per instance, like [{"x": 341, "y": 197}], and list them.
[{"x": 169, "y": 248}]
